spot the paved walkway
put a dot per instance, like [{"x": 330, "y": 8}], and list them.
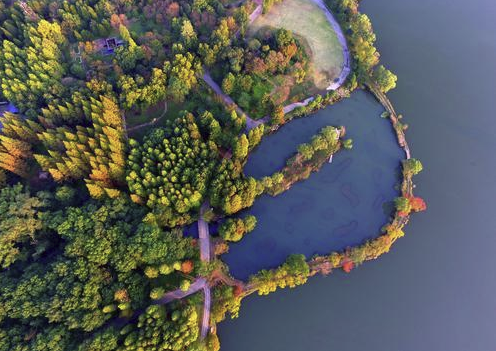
[
  {"x": 199, "y": 283},
  {"x": 203, "y": 234},
  {"x": 206, "y": 312},
  {"x": 205, "y": 253},
  {"x": 177, "y": 294},
  {"x": 291, "y": 107},
  {"x": 258, "y": 10},
  {"x": 250, "y": 123}
]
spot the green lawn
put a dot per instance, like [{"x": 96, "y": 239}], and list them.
[{"x": 307, "y": 20}]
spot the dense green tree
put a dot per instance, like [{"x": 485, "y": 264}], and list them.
[
  {"x": 384, "y": 78},
  {"x": 228, "y": 83},
  {"x": 182, "y": 75},
  {"x": 103, "y": 250},
  {"x": 137, "y": 92},
  {"x": 171, "y": 169},
  {"x": 240, "y": 148},
  {"x": 22, "y": 230},
  {"x": 412, "y": 166},
  {"x": 95, "y": 154},
  {"x": 255, "y": 136},
  {"x": 30, "y": 76},
  {"x": 277, "y": 116},
  {"x": 235, "y": 229},
  {"x": 230, "y": 190},
  {"x": 403, "y": 204},
  {"x": 293, "y": 272}
]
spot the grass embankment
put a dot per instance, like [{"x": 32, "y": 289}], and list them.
[{"x": 308, "y": 21}]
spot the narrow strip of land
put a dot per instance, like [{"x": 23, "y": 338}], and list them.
[{"x": 384, "y": 100}]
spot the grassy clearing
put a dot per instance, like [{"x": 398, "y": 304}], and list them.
[
  {"x": 307, "y": 20},
  {"x": 134, "y": 118},
  {"x": 156, "y": 111},
  {"x": 199, "y": 101}
]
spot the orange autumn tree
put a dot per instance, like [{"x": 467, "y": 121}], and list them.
[
  {"x": 348, "y": 265},
  {"x": 417, "y": 203},
  {"x": 187, "y": 266}
]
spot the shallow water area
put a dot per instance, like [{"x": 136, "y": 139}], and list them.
[{"x": 343, "y": 204}]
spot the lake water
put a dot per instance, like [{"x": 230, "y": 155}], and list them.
[
  {"x": 436, "y": 289},
  {"x": 343, "y": 204}
]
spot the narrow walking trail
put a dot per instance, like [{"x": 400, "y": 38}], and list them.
[
  {"x": 250, "y": 122},
  {"x": 291, "y": 107}
]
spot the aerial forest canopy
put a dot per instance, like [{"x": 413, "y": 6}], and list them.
[
  {"x": 68, "y": 270},
  {"x": 171, "y": 169},
  {"x": 121, "y": 124},
  {"x": 87, "y": 239}
]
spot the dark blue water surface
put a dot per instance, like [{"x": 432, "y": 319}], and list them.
[{"x": 343, "y": 204}]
